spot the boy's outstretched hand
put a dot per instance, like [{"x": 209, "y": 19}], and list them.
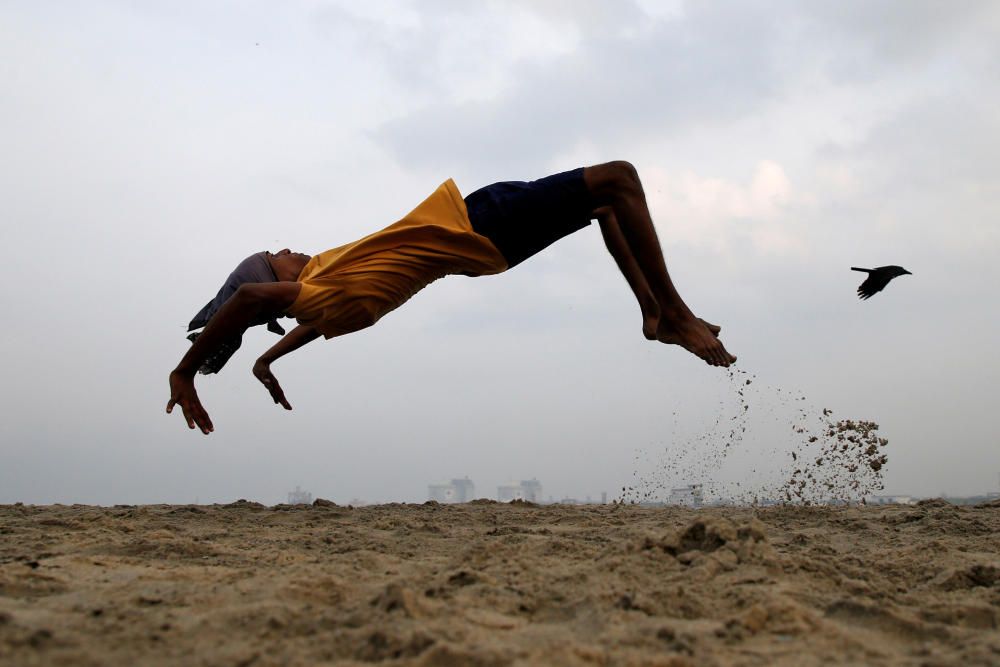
[
  {"x": 183, "y": 393},
  {"x": 262, "y": 371}
]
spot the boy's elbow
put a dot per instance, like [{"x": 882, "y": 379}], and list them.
[
  {"x": 250, "y": 297},
  {"x": 247, "y": 294},
  {"x": 267, "y": 296}
]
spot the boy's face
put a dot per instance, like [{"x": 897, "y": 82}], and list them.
[{"x": 287, "y": 265}]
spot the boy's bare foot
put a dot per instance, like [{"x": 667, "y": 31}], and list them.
[
  {"x": 714, "y": 328},
  {"x": 697, "y": 337},
  {"x": 650, "y": 323}
]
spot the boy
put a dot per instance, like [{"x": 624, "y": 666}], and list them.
[{"x": 493, "y": 229}]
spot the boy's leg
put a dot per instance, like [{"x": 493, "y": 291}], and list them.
[
  {"x": 618, "y": 247},
  {"x": 616, "y": 244},
  {"x": 616, "y": 186}
]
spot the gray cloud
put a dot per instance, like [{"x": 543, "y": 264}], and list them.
[
  {"x": 716, "y": 64},
  {"x": 599, "y": 94},
  {"x": 864, "y": 41}
]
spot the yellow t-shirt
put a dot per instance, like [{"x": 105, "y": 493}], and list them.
[{"x": 351, "y": 287}]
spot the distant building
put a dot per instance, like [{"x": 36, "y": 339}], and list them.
[
  {"x": 532, "y": 490},
  {"x": 527, "y": 489},
  {"x": 687, "y": 496},
  {"x": 442, "y": 493},
  {"x": 299, "y": 497},
  {"x": 455, "y": 491},
  {"x": 465, "y": 490}
]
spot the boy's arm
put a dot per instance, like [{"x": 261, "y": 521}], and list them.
[
  {"x": 251, "y": 301},
  {"x": 295, "y": 339}
]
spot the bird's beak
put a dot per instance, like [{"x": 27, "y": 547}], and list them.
[{"x": 907, "y": 272}]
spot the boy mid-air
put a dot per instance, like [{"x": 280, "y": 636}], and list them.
[{"x": 493, "y": 229}]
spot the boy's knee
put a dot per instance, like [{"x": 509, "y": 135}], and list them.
[
  {"x": 612, "y": 180},
  {"x": 625, "y": 174}
]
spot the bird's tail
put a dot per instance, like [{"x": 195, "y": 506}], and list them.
[{"x": 854, "y": 268}]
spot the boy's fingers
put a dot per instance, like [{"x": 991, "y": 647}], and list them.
[
  {"x": 280, "y": 398},
  {"x": 204, "y": 421},
  {"x": 188, "y": 416},
  {"x": 196, "y": 416},
  {"x": 275, "y": 390},
  {"x": 186, "y": 397},
  {"x": 277, "y": 394}
]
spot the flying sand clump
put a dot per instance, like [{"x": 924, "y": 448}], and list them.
[{"x": 847, "y": 466}]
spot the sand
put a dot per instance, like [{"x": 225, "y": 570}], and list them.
[{"x": 499, "y": 584}]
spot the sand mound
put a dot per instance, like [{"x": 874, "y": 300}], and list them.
[{"x": 499, "y": 584}]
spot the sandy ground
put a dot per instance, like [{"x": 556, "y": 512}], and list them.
[{"x": 491, "y": 584}]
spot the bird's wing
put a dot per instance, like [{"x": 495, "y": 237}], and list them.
[{"x": 873, "y": 283}]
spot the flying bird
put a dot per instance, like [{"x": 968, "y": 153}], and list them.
[{"x": 878, "y": 278}]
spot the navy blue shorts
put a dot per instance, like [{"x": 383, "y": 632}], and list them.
[{"x": 523, "y": 218}]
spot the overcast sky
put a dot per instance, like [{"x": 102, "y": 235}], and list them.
[{"x": 148, "y": 147}]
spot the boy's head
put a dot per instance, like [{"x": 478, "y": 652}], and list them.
[{"x": 261, "y": 267}]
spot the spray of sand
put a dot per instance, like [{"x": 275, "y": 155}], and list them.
[{"x": 819, "y": 459}]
